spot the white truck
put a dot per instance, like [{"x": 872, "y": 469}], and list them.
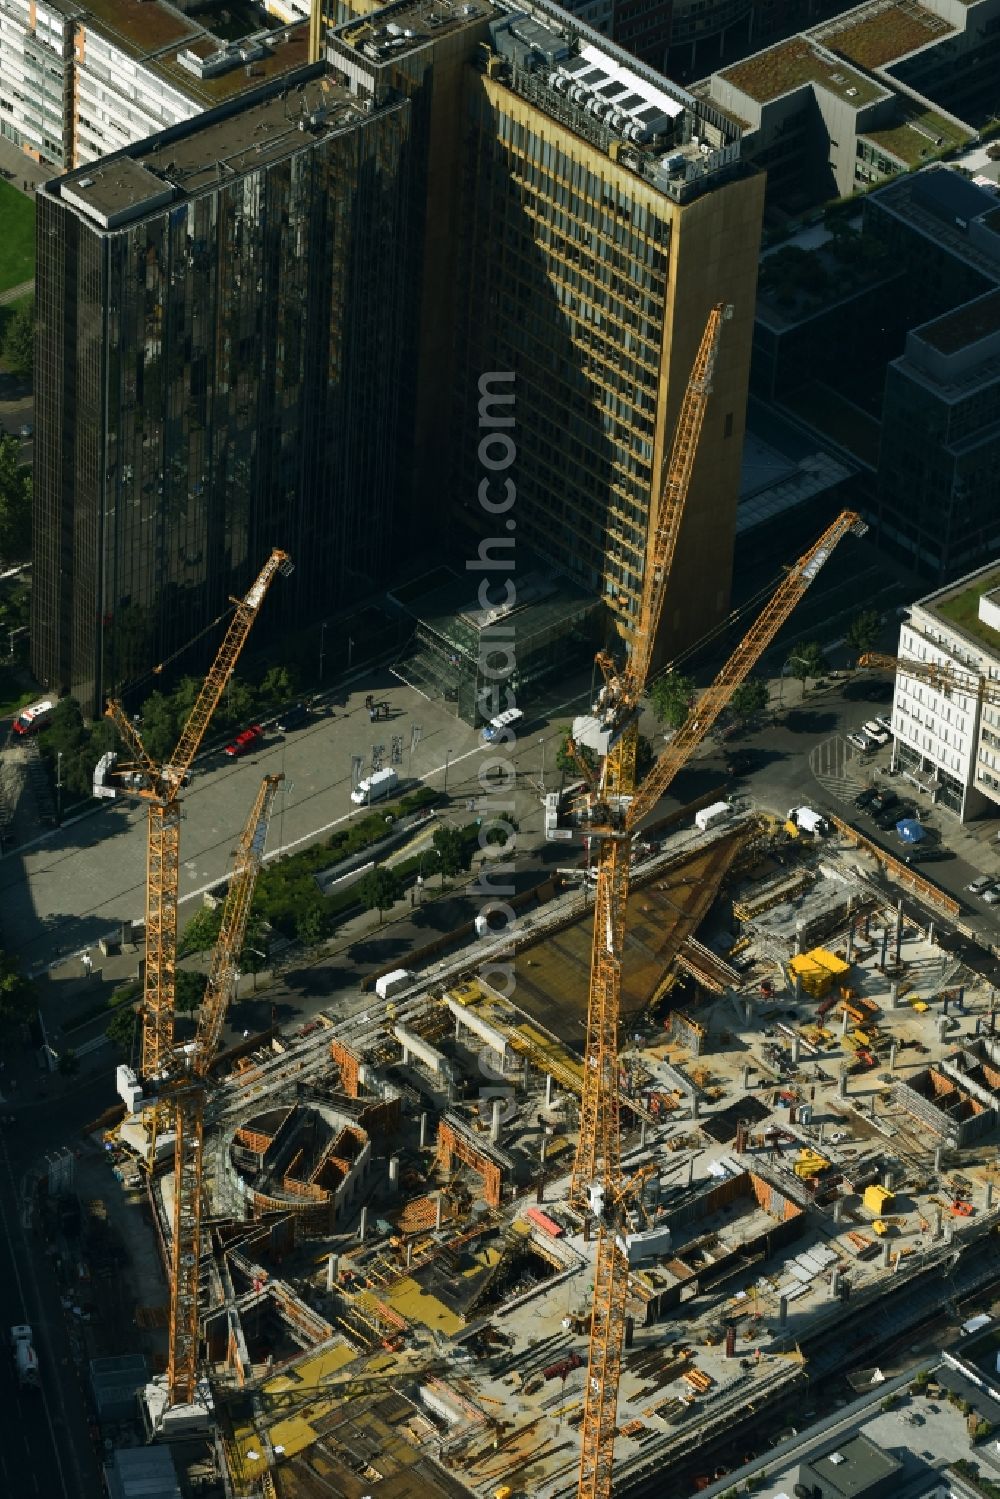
[
  {"x": 375, "y": 787},
  {"x": 24, "y": 1356},
  {"x": 808, "y": 821},
  {"x": 391, "y": 983},
  {"x": 707, "y": 817}
]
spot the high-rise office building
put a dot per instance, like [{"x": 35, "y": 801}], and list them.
[
  {"x": 231, "y": 355},
  {"x": 218, "y": 365}
]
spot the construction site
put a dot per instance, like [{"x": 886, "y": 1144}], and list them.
[
  {"x": 584, "y": 1206},
  {"x": 397, "y": 1288}
]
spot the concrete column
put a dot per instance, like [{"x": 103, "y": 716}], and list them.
[
  {"x": 850, "y": 942},
  {"x": 423, "y": 1131},
  {"x": 886, "y": 1253},
  {"x": 394, "y": 1169},
  {"x": 746, "y": 1079},
  {"x": 642, "y": 1131},
  {"x": 458, "y": 1029},
  {"x": 899, "y": 929},
  {"x": 930, "y": 932},
  {"x": 938, "y": 1158},
  {"x": 842, "y": 1084},
  {"x": 894, "y": 996},
  {"x": 944, "y": 1004},
  {"x": 363, "y": 1229},
  {"x": 544, "y": 1149},
  {"x": 979, "y": 1027},
  {"x": 892, "y": 1057},
  {"x": 438, "y": 1209},
  {"x": 409, "y": 1255},
  {"x": 782, "y": 1310},
  {"x": 989, "y": 1195},
  {"x": 845, "y": 1021},
  {"x": 748, "y": 1011},
  {"x": 942, "y": 1027},
  {"x": 526, "y": 1075},
  {"x": 838, "y": 1209},
  {"x": 885, "y": 947},
  {"x": 406, "y": 1056},
  {"x": 796, "y": 1047},
  {"x": 820, "y": 1132},
  {"x": 798, "y": 942},
  {"x": 835, "y": 1285},
  {"x": 888, "y": 1177},
  {"x": 690, "y": 1171},
  {"x": 937, "y": 1224},
  {"x": 548, "y": 1090},
  {"x": 332, "y": 1262},
  {"x": 495, "y": 1122},
  {"x": 694, "y": 1105},
  {"x": 798, "y": 988}
]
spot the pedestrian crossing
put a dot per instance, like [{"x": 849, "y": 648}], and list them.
[{"x": 840, "y": 768}]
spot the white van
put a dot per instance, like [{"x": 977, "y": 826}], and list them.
[{"x": 375, "y": 787}]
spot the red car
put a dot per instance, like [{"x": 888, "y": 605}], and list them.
[{"x": 244, "y": 741}]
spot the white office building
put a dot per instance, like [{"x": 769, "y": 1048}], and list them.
[
  {"x": 79, "y": 81},
  {"x": 945, "y": 741}
]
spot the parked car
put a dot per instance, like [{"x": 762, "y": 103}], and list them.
[
  {"x": 885, "y": 723},
  {"x": 924, "y": 855},
  {"x": 244, "y": 741},
  {"x": 861, "y": 741},
  {"x": 889, "y": 816},
  {"x": 992, "y": 895},
  {"x": 867, "y": 797},
  {"x": 883, "y": 800},
  {"x": 27, "y": 431},
  {"x": 876, "y": 731},
  {"x": 291, "y": 717},
  {"x": 979, "y": 884}
]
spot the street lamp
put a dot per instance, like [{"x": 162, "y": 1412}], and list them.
[
  {"x": 59, "y": 755},
  {"x": 255, "y": 952},
  {"x": 420, "y": 873},
  {"x": 447, "y": 762},
  {"x": 542, "y": 743}
]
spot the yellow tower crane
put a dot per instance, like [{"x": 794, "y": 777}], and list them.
[
  {"x": 158, "y": 785},
  {"x": 938, "y": 674},
  {"x": 614, "y": 808},
  {"x": 186, "y": 1089}
]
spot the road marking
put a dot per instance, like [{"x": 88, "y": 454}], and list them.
[{"x": 838, "y": 767}]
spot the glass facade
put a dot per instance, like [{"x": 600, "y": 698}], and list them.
[
  {"x": 564, "y": 283},
  {"x": 217, "y": 377}
]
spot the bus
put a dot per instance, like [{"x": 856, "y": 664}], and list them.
[
  {"x": 30, "y": 720},
  {"x": 494, "y": 729}
]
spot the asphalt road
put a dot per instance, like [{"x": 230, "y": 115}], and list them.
[{"x": 45, "y": 1446}]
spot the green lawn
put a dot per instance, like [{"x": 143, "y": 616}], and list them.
[
  {"x": 963, "y": 609},
  {"x": 17, "y": 237}
]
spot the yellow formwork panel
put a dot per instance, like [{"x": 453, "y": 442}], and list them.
[
  {"x": 294, "y": 1434},
  {"x": 313, "y": 1372},
  {"x": 413, "y": 1302}
]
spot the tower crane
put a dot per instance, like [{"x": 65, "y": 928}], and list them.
[
  {"x": 186, "y": 1089},
  {"x": 614, "y": 808},
  {"x": 938, "y": 674},
  {"x": 158, "y": 785}
]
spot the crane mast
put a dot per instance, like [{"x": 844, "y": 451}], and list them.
[
  {"x": 597, "y": 1180},
  {"x": 188, "y": 1088},
  {"x": 161, "y": 783}
]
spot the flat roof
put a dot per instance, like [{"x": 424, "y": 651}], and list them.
[
  {"x": 769, "y": 74},
  {"x": 966, "y": 325},
  {"x": 286, "y": 50},
  {"x": 143, "y": 27},
  {"x": 920, "y": 136},
  {"x": 191, "y": 156},
  {"x": 882, "y": 34},
  {"x": 851, "y": 1465},
  {"x": 958, "y": 605}
]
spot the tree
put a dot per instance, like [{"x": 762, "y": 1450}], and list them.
[
  {"x": 644, "y": 757},
  {"x": 671, "y": 697},
  {"x": 15, "y": 502},
  {"x": 17, "y": 993},
  {"x": 808, "y": 661},
  {"x": 19, "y": 341},
  {"x": 280, "y": 683},
  {"x": 121, "y": 1028},
  {"x": 313, "y": 924},
  {"x": 570, "y": 764},
  {"x": 452, "y": 850},
  {"x": 749, "y": 698},
  {"x": 862, "y": 632},
  {"x": 189, "y": 990},
  {"x": 201, "y": 931},
  {"x": 379, "y": 889}
]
